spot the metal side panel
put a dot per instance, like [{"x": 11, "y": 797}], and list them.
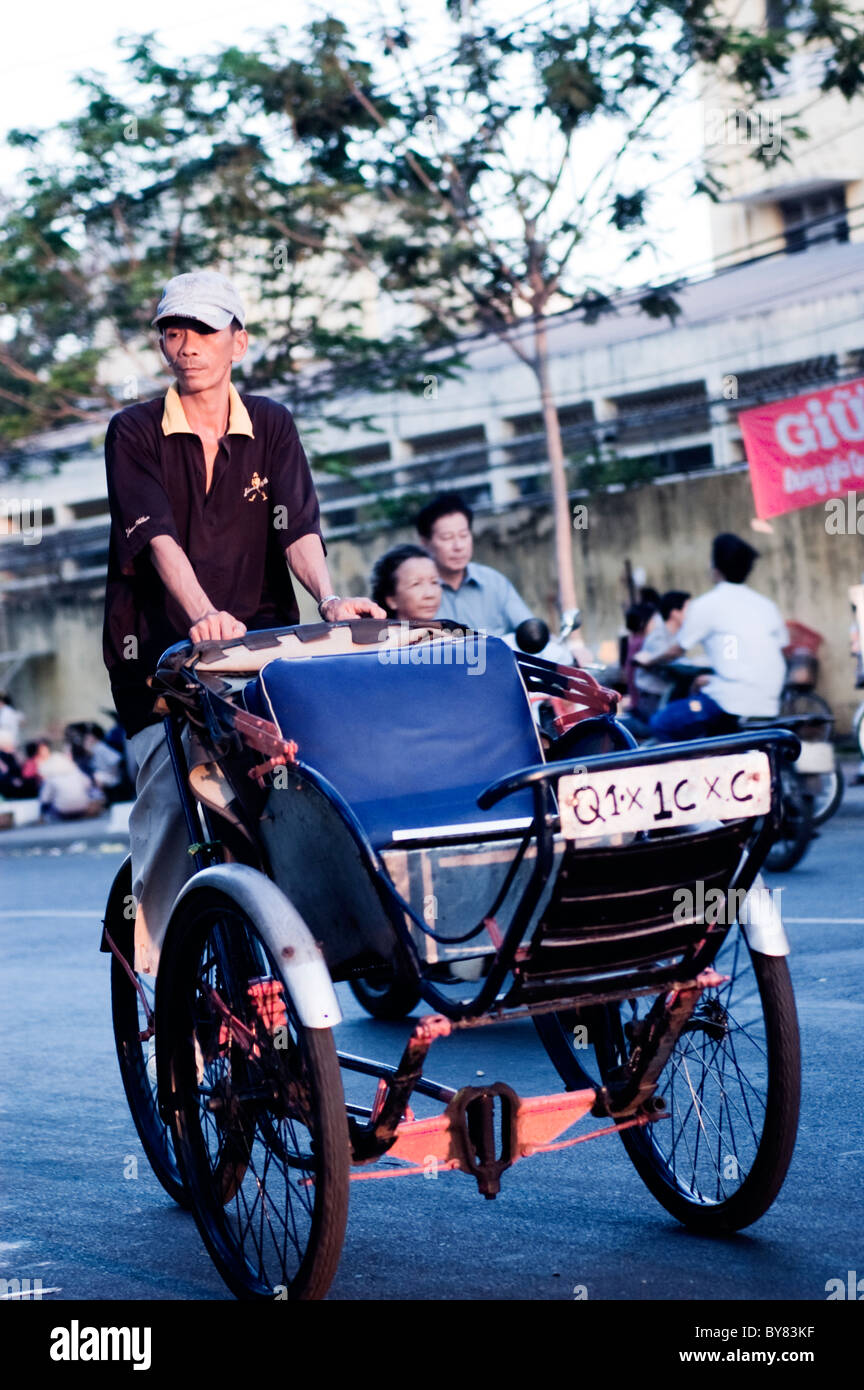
[{"x": 318, "y": 863}]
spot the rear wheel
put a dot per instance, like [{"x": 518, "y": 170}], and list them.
[
  {"x": 806, "y": 704},
  {"x": 732, "y": 1087},
  {"x": 796, "y": 825},
  {"x": 258, "y": 1113},
  {"x": 825, "y": 788},
  {"x": 386, "y": 995},
  {"x": 132, "y": 1014},
  {"x": 133, "y": 1019}
]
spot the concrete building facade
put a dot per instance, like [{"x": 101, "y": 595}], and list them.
[{"x": 649, "y": 414}]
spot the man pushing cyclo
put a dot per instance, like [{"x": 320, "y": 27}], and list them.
[{"x": 213, "y": 509}]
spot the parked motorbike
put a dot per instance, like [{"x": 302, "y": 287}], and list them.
[
  {"x": 798, "y": 821},
  {"x": 814, "y": 722}
]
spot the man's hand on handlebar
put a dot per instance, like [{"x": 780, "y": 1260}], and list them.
[{"x": 216, "y": 627}]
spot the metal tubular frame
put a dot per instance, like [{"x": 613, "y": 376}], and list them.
[{"x": 463, "y": 1134}]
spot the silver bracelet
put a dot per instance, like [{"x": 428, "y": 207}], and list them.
[{"x": 328, "y": 598}]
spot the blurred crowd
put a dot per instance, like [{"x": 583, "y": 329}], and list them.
[{"x": 72, "y": 778}]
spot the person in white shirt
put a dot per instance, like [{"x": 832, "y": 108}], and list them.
[
  {"x": 743, "y": 635},
  {"x": 66, "y": 792}
]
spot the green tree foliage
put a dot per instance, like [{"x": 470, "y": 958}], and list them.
[{"x": 326, "y": 166}]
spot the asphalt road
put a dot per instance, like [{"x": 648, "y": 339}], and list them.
[{"x": 83, "y": 1213}]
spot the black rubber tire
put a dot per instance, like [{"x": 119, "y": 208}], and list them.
[
  {"x": 386, "y": 996},
  {"x": 138, "y": 1072},
  {"x": 797, "y": 825},
  {"x": 765, "y": 981},
  {"x": 295, "y": 1082},
  {"x": 137, "y": 1058},
  {"x": 826, "y": 788},
  {"x": 828, "y": 797},
  {"x": 801, "y": 703}
]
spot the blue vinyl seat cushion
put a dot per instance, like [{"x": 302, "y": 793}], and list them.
[{"x": 409, "y": 746}]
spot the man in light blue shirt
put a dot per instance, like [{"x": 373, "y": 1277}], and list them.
[{"x": 475, "y": 595}]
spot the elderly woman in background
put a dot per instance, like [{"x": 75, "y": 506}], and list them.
[{"x": 405, "y": 582}]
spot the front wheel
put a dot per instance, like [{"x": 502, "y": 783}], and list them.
[
  {"x": 258, "y": 1114},
  {"x": 731, "y": 1087}
]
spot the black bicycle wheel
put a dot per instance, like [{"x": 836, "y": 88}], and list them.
[
  {"x": 806, "y": 704},
  {"x": 387, "y": 995},
  {"x": 136, "y": 1054},
  {"x": 796, "y": 826},
  {"x": 731, "y": 1087},
  {"x": 826, "y": 790},
  {"x": 259, "y": 1118}
]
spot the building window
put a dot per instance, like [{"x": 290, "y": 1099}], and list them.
[
  {"x": 450, "y": 454},
  {"x": 576, "y": 423},
  {"x": 785, "y": 379},
  {"x": 666, "y": 413},
  {"x": 815, "y": 217}
]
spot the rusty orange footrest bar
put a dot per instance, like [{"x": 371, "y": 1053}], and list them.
[
  {"x": 427, "y": 1144},
  {"x": 539, "y": 1120}
]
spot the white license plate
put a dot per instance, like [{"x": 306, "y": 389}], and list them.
[{"x": 654, "y": 798}]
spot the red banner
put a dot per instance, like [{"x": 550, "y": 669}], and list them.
[{"x": 806, "y": 449}]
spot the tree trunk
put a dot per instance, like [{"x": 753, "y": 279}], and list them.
[{"x": 557, "y": 470}]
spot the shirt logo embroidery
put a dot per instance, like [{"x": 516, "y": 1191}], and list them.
[
  {"x": 135, "y": 525},
  {"x": 255, "y": 491}
]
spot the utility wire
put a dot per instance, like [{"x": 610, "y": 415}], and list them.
[{"x": 652, "y": 376}]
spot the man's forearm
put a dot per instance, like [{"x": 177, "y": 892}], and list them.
[
  {"x": 174, "y": 568},
  {"x": 307, "y": 561}
]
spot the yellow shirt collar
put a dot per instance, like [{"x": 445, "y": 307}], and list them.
[{"x": 174, "y": 417}]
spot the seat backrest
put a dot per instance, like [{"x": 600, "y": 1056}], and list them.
[{"x": 409, "y": 737}]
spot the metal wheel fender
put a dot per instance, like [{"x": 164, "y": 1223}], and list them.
[
  {"x": 762, "y": 922},
  {"x": 288, "y": 938}
]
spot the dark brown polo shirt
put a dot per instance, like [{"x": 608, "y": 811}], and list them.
[{"x": 261, "y": 500}]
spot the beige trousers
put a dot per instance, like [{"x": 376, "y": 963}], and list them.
[{"x": 159, "y": 842}]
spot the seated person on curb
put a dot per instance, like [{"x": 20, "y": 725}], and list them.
[
  {"x": 66, "y": 792},
  {"x": 14, "y": 786},
  {"x": 212, "y": 509},
  {"x": 405, "y": 584},
  {"x": 743, "y": 635},
  {"x": 475, "y": 595}
]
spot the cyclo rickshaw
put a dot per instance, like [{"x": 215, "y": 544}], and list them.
[{"x": 373, "y": 801}]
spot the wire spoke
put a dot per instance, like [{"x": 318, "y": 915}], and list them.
[
  {"x": 715, "y": 1084},
  {"x": 254, "y": 1116}
]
